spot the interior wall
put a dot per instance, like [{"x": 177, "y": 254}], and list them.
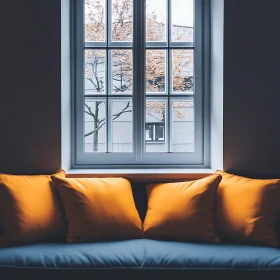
[
  {"x": 251, "y": 87},
  {"x": 30, "y": 123},
  {"x": 30, "y": 68}
]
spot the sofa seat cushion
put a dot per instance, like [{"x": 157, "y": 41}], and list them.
[{"x": 140, "y": 254}]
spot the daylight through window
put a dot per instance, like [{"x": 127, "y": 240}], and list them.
[{"x": 139, "y": 85}]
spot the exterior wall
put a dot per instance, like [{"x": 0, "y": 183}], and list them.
[{"x": 122, "y": 129}]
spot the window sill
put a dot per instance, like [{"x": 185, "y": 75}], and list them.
[{"x": 143, "y": 175}]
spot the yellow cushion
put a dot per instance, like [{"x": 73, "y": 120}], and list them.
[
  {"x": 182, "y": 211},
  {"x": 247, "y": 209},
  {"x": 29, "y": 209},
  {"x": 99, "y": 209}
]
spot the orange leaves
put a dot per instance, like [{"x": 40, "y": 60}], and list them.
[
  {"x": 179, "y": 108},
  {"x": 155, "y": 70},
  {"x": 94, "y": 20},
  {"x": 156, "y": 66},
  {"x": 122, "y": 20},
  {"x": 156, "y": 109}
]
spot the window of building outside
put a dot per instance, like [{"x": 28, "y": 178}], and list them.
[
  {"x": 139, "y": 85},
  {"x": 155, "y": 132}
]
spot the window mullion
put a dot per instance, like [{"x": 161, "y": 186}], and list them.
[
  {"x": 169, "y": 78},
  {"x": 108, "y": 76},
  {"x": 109, "y": 22},
  {"x": 138, "y": 78},
  {"x": 109, "y": 90}
]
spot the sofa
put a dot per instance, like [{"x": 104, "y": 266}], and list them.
[{"x": 139, "y": 258}]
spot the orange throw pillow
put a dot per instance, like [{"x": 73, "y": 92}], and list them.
[
  {"x": 29, "y": 209},
  {"x": 182, "y": 211},
  {"x": 99, "y": 209},
  {"x": 247, "y": 209}
]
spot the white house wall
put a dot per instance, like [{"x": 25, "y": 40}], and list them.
[{"x": 122, "y": 131}]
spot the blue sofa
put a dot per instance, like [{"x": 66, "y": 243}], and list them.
[{"x": 139, "y": 258}]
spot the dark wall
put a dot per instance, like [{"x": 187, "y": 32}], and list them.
[
  {"x": 252, "y": 87},
  {"x": 30, "y": 106},
  {"x": 30, "y": 86}
]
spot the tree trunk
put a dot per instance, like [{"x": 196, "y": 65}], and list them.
[{"x": 95, "y": 134}]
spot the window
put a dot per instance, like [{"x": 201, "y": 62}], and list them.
[
  {"x": 155, "y": 132},
  {"x": 140, "y": 83}
]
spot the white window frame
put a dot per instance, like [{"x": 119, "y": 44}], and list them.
[{"x": 138, "y": 158}]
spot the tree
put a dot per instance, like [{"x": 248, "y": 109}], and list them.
[
  {"x": 122, "y": 62},
  {"x": 95, "y": 59}
]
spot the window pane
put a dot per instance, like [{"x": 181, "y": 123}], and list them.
[
  {"x": 95, "y": 20},
  {"x": 182, "y": 69},
  {"x": 156, "y": 20},
  {"x": 122, "y": 25},
  {"x": 95, "y": 68},
  {"x": 121, "y": 71},
  {"x": 95, "y": 126},
  {"x": 122, "y": 126},
  {"x": 155, "y": 70},
  {"x": 182, "y": 126},
  {"x": 182, "y": 19},
  {"x": 149, "y": 132},
  {"x": 155, "y": 126}
]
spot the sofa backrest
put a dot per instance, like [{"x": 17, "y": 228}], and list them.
[{"x": 140, "y": 198}]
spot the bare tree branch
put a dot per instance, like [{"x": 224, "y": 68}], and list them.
[
  {"x": 115, "y": 116},
  {"x": 90, "y": 112},
  {"x": 94, "y": 131},
  {"x": 120, "y": 113},
  {"x": 150, "y": 114},
  {"x": 91, "y": 80}
]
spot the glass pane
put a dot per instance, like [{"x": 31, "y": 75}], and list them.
[
  {"x": 182, "y": 69},
  {"x": 122, "y": 126},
  {"x": 182, "y": 19},
  {"x": 95, "y": 71},
  {"x": 182, "y": 126},
  {"x": 156, "y": 20},
  {"x": 155, "y": 70},
  {"x": 155, "y": 126},
  {"x": 122, "y": 24},
  {"x": 95, "y": 20},
  {"x": 95, "y": 126},
  {"x": 121, "y": 71}
]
